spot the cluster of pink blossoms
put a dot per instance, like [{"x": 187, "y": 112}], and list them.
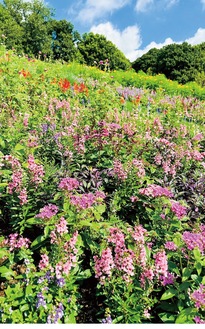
[
  {"x": 69, "y": 184},
  {"x": 198, "y": 297},
  {"x": 122, "y": 261},
  {"x": 140, "y": 167},
  {"x": 44, "y": 262},
  {"x": 195, "y": 239},
  {"x": 104, "y": 265},
  {"x": 119, "y": 171},
  {"x": 60, "y": 229},
  {"x": 156, "y": 191},
  {"x": 16, "y": 180},
  {"x": 161, "y": 265},
  {"x": 48, "y": 211},
  {"x": 170, "y": 245},
  {"x": 14, "y": 241},
  {"x": 179, "y": 210},
  {"x": 36, "y": 170},
  {"x": 63, "y": 267},
  {"x": 86, "y": 200}
]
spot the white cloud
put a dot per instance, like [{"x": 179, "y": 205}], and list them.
[
  {"x": 203, "y": 3},
  {"x": 143, "y": 5},
  {"x": 94, "y": 9},
  {"x": 171, "y": 3},
  {"x": 127, "y": 40},
  {"x": 198, "y": 37}
]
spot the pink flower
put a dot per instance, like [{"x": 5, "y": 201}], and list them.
[
  {"x": 61, "y": 227},
  {"x": 161, "y": 265},
  {"x": 194, "y": 240},
  {"x": 48, "y": 211},
  {"x": 179, "y": 210},
  {"x": 36, "y": 170},
  {"x": 23, "y": 196},
  {"x": 14, "y": 241},
  {"x": 156, "y": 191},
  {"x": 198, "y": 296},
  {"x": 170, "y": 245},
  {"x": 119, "y": 171},
  {"x": 104, "y": 265},
  {"x": 44, "y": 262},
  {"x": 69, "y": 184}
]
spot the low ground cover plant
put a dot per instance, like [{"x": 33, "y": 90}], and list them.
[{"x": 102, "y": 196}]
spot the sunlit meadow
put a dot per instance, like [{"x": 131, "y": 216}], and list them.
[{"x": 102, "y": 194}]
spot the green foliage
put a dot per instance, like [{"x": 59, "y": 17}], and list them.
[
  {"x": 101, "y": 194},
  {"x": 95, "y": 48}
]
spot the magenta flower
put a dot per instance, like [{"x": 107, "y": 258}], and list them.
[
  {"x": 15, "y": 241},
  {"x": 161, "y": 265},
  {"x": 104, "y": 265},
  {"x": 170, "y": 245},
  {"x": 69, "y": 184},
  {"x": 198, "y": 297},
  {"x": 48, "y": 211},
  {"x": 156, "y": 191},
  {"x": 179, "y": 210}
]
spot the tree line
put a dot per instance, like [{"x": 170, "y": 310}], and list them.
[
  {"x": 29, "y": 28},
  {"x": 181, "y": 62}
]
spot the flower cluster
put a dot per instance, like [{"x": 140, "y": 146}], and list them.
[
  {"x": 48, "y": 211},
  {"x": 179, "y": 210},
  {"x": 104, "y": 265},
  {"x": 86, "y": 200},
  {"x": 198, "y": 297},
  {"x": 36, "y": 170},
  {"x": 194, "y": 240},
  {"x": 68, "y": 184},
  {"x": 64, "y": 266},
  {"x": 16, "y": 180},
  {"x": 14, "y": 241},
  {"x": 60, "y": 229},
  {"x": 156, "y": 191},
  {"x": 119, "y": 171},
  {"x": 56, "y": 315}
]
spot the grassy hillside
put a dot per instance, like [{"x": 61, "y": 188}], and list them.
[{"x": 102, "y": 196}]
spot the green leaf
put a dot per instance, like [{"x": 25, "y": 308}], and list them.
[
  {"x": 70, "y": 318},
  {"x": 38, "y": 242},
  {"x": 169, "y": 294},
  {"x": 167, "y": 317},
  {"x": 198, "y": 267},
  {"x": 3, "y": 253},
  {"x": 6, "y": 272},
  {"x": 184, "y": 286},
  {"x": 197, "y": 254},
  {"x": 186, "y": 272},
  {"x": 186, "y": 316}
]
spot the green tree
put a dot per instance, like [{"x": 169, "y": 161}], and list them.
[
  {"x": 147, "y": 62},
  {"x": 176, "y": 61},
  {"x": 95, "y": 48},
  {"x": 36, "y": 37},
  {"x": 10, "y": 25},
  {"x": 64, "y": 40}
]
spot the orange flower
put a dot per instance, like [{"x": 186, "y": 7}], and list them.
[
  {"x": 25, "y": 73},
  {"x": 64, "y": 84},
  {"x": 122, "y": 100}
]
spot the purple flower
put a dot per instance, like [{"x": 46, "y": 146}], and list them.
[
  {"x": 40, "y": 300},
  {"x": 48, "y": 211},
  {"x": 60, "y": 282},
  {"x": 107, "y": 320}
]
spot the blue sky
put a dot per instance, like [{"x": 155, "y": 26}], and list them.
[{"x": 136, "y": 26}]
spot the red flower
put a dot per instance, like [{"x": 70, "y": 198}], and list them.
[{"x": 64, "y": 84}]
